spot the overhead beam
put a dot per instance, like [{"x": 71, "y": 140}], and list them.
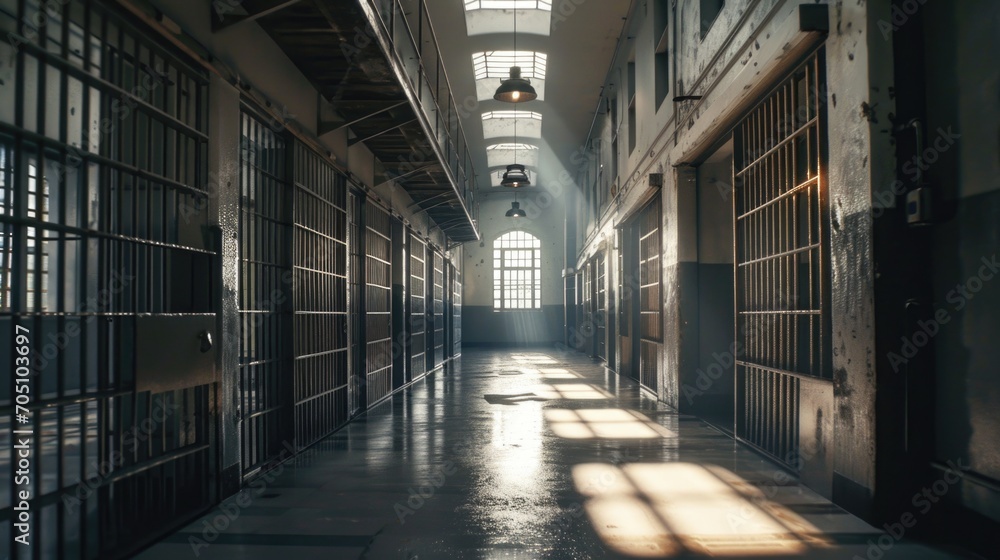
[
  {"x": 226, "y": 13},
  {"x": 396, "y": 177},
  {"x": 389, "y": 128},
  {"x": 327, "y": 127}
]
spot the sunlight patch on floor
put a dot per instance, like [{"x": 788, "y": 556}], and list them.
[
  {"x": 668, "y": 509},
  {"x": 604, "y": 423}
]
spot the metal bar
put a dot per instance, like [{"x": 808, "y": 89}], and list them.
[
  {"x": 339, "y": 126},
  {"x": 218, "y": 17},
  {"x": 354, "y": 141}
]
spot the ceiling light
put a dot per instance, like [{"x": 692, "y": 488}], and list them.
[
  {"x": 515, "y": 176},
  {"x": 515, "y": 209},
  {"x": 515, "y": 89}
]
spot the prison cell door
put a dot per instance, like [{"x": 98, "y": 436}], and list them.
[
  {"x": 650, "y": 304},
  {"x": 378, "y": 302},
  {"x": 438, "y": 309},
  {"x": 416, "y": 348},
  {"x": 449, "y": 317},
  {"x": 356, "y": 302},
  {"x": 600, "y": 307},
  {"x": 320, "y": 296},
  {"x": 456, "y": 310},
  {"x": 265, "y": 295},
  {"x": 784, "y": 393},
  {"x": 628, "y": 293},
  {"x": 108, "y": 270},
  {"x": 587, "y": 326}
]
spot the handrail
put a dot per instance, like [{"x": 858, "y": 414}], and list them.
[{"x": 464, "y": 168}]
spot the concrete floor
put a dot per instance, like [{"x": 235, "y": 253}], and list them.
[{"x": 528, "y": 454}]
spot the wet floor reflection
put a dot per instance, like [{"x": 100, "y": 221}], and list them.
[
  {"x": 658, "y": 510},
  {"x": 604, "y": 423},
  {"x": 534, "y": 455}
]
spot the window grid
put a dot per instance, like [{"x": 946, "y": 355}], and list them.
[
  {"x": 517, "y": 272},
  {"x": 496, "y": 64},
  {"x": 490, "y": 115},
  {"x": 511, "y": 146},
  {"x": 471, "y": 5}
]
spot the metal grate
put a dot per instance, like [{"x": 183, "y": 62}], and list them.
[
  {"x": 265, "y": 294},
  {"x": 439, "y": 307},
  {"x": 102, "y": 243},
  {"x": 650, "y": 325},
  {"x": 320, "y": 302},
  {"x": 417, "y": 347},
  {"x": 780, "y": 253},
  {"x": 587, "y": 327},
  {"x": 600, "y": 307},
  {"x": 378, "y": 304},
  {"x": 456, "y": 310}
]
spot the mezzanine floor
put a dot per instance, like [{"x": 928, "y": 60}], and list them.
[{"x": 528, "y": 454}]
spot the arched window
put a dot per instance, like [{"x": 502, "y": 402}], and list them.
[{"x": 517, "y": 271}]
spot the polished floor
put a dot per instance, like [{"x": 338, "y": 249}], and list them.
[{"x": 532, "y": 455}]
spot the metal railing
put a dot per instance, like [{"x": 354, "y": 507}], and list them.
[{"x": 419, "y": 54}]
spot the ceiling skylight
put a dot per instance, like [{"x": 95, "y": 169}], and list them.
[
  {"x": 483, "y": 17},
  {"x": 471, "y": 5},
  {"x": 504, "y": 154},
  {"x": 511, "y": 115},
  {"x": 496, "y": 64},
  {"x": 500, "y": 124},
  {"x": 492, "y": 66}
]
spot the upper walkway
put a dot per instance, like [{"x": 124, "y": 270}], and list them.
[{"x": 529, "y": 454}]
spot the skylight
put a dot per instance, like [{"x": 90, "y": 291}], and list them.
[
  {"x": 511, "y": 115},
  {"x": 471, "y": 5},
  {"x": 511, "y": 146},
  {"x": 493, "y": 66},
  {"x": 501, "y": 124},
  {"x": 506, "y": 153},
  {"x": 496, "y": 64}
]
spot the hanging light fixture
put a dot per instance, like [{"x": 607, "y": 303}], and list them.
[
  {"x": 515, "y": 89},
  {"x": 515, "y": 176},
  {"x": 515, "y": 209}
]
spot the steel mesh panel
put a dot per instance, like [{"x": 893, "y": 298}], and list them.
[
  {"x": 780, "y": 252},
  {"x": 102, "y": 209}
]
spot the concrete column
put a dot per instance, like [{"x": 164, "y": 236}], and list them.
[{"x": 224, "y": 173}]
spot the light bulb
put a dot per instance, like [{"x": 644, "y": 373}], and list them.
[{"x": 516, "y": 95}]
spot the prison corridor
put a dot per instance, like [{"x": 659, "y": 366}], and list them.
[{"x": 530, "y": 454}]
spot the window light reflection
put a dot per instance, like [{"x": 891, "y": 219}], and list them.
[
  {"x": 658, "y": 510},
  {"x": 604, "y": 423}
]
